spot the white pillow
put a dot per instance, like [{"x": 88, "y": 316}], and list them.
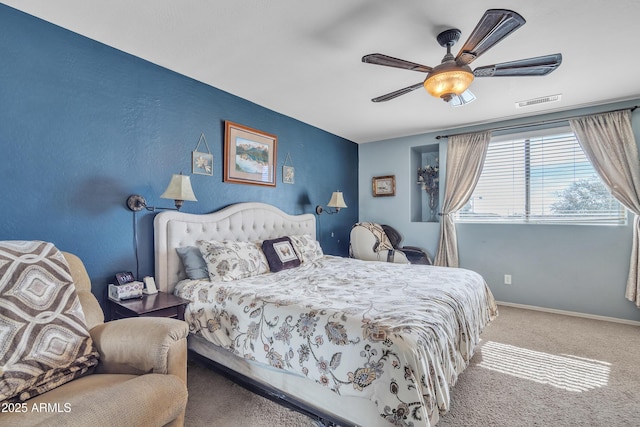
[
  {"x": 307, "y": 248},
  {"x": 230, "y": 260}
]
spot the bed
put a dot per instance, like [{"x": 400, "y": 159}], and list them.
[{"x": 352, "y": 342}]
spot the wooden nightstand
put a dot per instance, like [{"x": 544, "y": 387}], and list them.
[{"x": 161, "y": 304}]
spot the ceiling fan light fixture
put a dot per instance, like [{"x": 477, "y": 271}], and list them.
[
  {"x": 464, "y": 98},
  {"x": 447, "y": 80}
]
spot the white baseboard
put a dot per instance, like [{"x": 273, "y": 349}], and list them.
[{"x": 570, "y": 313}]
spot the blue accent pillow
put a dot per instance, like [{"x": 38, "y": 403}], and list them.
[
  {"x": 193, "y": 262},
  {"x": 280, "y": 254}
]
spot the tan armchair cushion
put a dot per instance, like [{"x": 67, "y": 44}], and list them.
[{"x": 106, "y": 400}]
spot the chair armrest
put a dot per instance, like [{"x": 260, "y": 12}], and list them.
[
  {"x": 413, "y": 248},
  {"x": 417, "y": 255},
  {"x": 142, "y": 345}
]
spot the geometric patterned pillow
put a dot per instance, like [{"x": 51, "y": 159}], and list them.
[
  {"x": 307, "y": 248},
  {"x": 232, "y": 260},
  {"x": 44, "y": 341}
]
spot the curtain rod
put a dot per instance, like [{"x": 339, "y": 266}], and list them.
[{"x": 544, "y": 122}]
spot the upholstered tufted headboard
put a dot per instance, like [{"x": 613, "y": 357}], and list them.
[{"x": 242, "y": 221}]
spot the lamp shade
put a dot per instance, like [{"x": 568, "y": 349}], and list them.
[
  {"x": 448, "y": 79},
  {"x": 337, "y": 201},
  {"x": 179, "y": 188}
]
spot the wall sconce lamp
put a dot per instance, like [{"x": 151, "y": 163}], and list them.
[
  {"x": 179, "y": 189},
  {"x": 336, "y": 202}
]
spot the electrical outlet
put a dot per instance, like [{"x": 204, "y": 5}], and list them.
[{"x": 507, "y": 279}]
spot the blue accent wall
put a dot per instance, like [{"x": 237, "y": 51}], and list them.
[{"x": 83, "y": 126}]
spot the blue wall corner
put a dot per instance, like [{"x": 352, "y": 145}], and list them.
[{"x": 83, "y": 126}]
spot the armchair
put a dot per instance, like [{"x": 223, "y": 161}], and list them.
[
  {"x": 375, "y": 242},
  {"x": 140, "y": 378}
]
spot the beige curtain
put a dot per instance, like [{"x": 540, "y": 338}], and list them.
[
  {"x": 465, "y": 158},
  {"x": 608, "y": 141}
]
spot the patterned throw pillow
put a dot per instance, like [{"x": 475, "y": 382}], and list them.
[
  {"x": 280, "y": 254},
  {"x": 231, "y": 260},
  {"x": 44, "y": 341},
  {"x": 307, "y": 248}
]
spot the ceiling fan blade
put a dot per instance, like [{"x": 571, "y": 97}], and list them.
[
  {"x": 539, "y": 66},
  {"x": 389, "y": 61},
  {"x": 398, "y": 92},
  {"x": 495, "y": 25}
]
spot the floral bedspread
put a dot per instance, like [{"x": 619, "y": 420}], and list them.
[{"x": 396, "y": 334}]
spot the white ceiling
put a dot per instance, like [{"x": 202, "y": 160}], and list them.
[{"x": 303, "y": 58}]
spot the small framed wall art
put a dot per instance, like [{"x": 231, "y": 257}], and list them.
[
  {"x": 288, "y": 171},
  {"x": 288, "y": 174},
  {"x": 384, "y": 186},
  {"x": 201, "y": 162},
  {"x": 249, "y": 155}
]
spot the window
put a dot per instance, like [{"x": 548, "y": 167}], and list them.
[{"x": 540, "y": 177}]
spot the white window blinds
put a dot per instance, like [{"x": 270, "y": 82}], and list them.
[{"x": 540, "y": 177}]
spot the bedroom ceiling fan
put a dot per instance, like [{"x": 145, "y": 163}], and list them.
[{"x": 451, "y": 79}]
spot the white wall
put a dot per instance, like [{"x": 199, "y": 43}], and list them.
[{"x": 566, "y": 267}]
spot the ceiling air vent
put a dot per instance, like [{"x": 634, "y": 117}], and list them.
[{"x": 537, "y": 101}]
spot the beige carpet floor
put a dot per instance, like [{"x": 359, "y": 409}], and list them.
[
  {"x": 215, "y": 401},
  {"x": 531, "y": 369}
]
